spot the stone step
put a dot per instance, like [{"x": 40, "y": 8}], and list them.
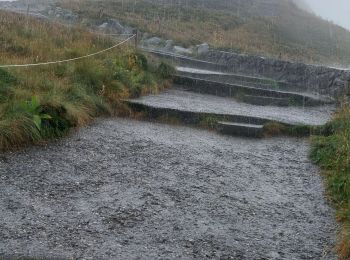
[
  {"x": 194, "y": 108},
  {"x": 266, "y": 101},
  {"x": 181, "y": 60},
  {"x": 236, "y": 79},
  {"x": 247, "y": 130},
  {"x": 234, "y": 90},
  {"x": 190, "y": 117},
  {"x": 246, "y": 81}
]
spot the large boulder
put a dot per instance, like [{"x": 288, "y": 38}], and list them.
[
  {"x": 113, "y": 26},
  {"x": 169, "y": 44},
  {"x": 182, "y": 50},
  {"x": 154, "y": 41},
  {"x": 103, "y": 26},
  {"x": 202, "y": 48}
]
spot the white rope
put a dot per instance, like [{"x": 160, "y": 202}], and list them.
[
  {"x": 111, "y": 34},
  {"x": 68, "y": 60}
]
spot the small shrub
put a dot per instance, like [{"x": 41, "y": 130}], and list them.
[
  {"x": 58, "y": 125},
  {"x": 89, "y": 74},
  {"x": 17, "y": 130},
  {"x": 5, "y": 93},
  {"x": 299, "y": 130},
  {"x": 137, "y": 61},
  {"x": 6, "y": 77},
  {"x": 60, "y": 70},
  {"x": 208, "y": 121},
  {"x": 71, "y": 53},
  {"x": 33, "y": 109},
  {"x": 17, "y": 49},
  {"x": 135, "y": 90},
  {"x": 165, "y": 71},
  {"x": 274, "y": 128}
]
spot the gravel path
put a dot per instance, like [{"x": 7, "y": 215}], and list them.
[
  {"x": 123, "y": 189},
  {"x": 189, "y": 101}
]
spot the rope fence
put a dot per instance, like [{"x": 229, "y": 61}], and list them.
[{"x": 68, "y": 60}]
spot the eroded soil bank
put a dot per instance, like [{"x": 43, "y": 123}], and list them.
[{"x": 123, "y": 189}]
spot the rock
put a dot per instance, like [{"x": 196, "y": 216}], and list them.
[
  {"x": 145, "y": 36},
  {"x": 103, "y": 26},
  {"x": 113, "y": 26},
  {"x": 169, "y": 45},
  {"x": 203, "y": 48},
  {"x": 116, "y": 26},
  {"x": 153, "y": 41},
  {"x": 321, "y": 80},
  {"x": 182, "y": 50}
]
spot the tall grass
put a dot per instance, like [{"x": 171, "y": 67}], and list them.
[
  {"x": 332, "y": 152},
  {"x": 43, "y": 102},
  {"x": 292, "y": 34}
]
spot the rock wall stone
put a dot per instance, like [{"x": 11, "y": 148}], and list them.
[{"x": 316, "y": 79}]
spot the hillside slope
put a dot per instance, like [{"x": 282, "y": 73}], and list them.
[
  {"x": 37, "y": 103},
  {"x": 275, "y": 28}
]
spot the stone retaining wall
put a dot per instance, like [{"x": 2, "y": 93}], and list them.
[{"x": 321, "y": 79}]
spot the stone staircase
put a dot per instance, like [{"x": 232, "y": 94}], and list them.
[
  {"x": 236, "y": 91},
  {"x": 205, "y": 93},
  {"x": 248, "y": 130}
]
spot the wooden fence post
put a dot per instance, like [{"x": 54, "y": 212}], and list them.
[{"x": 135, "y": 32}]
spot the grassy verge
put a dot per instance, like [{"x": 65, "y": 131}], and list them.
[
  {"x": 332, "y": 152},
  {"x": 45, "y": 102}
]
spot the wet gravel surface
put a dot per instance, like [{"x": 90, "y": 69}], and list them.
[
  {"x": 189, "y": 101},
  {"x": 123, "y": 189}
]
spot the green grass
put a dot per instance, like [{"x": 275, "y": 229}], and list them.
[
  {"x": 331, "y": 151},
  {"x": 45, "y": 102}
]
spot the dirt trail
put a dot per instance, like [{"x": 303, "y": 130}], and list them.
[{"x": 123, "y": 189}]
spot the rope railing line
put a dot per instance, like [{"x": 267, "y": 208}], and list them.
[
  {"x": 67, "y": 60},
  {"x": 111, "y": 34}
]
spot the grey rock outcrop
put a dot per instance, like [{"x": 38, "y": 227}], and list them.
[
  {"x": 169, "y": 44},
  {"x": 202, "y": 48},
  {"x": 182, "y": 50},
  {"x": 114, "y": 26},
  {"x": 61, "y": 13},
  {"x": 154, "y": 41}
]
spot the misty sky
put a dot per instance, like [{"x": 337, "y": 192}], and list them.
[{"x": 336, "y": 10}]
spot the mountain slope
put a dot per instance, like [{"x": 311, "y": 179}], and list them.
[
  {"x": 285, "y": 29},
  {"x": 275, "y": 28},
  {"x": 303, "y": 5}
]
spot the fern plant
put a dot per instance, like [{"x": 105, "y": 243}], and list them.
[{"x": 33, "y": 109}]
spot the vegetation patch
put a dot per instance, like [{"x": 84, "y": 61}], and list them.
[
  {"x": 37, "y": 103},
  {"x": 331, "y": 151},
  {"x": 276, "y": 128},
  {"x": 227, "y": 25}
]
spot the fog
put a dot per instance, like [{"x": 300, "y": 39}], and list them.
[{"x": 335, "y": 10}]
